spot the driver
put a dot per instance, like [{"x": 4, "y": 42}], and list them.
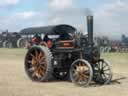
[
  {"x": 36, "y": 39},
  {"x": 48, "y": 41}
]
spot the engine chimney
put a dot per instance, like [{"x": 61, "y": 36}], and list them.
[{"x": 90, "y": 29}]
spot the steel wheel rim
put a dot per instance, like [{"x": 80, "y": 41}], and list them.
[{"x": 36, "y": 64}]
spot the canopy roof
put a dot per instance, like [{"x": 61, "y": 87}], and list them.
[{"x": 55, "y": 29}]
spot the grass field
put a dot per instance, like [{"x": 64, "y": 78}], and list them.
[{"x": 14, "y": 82}]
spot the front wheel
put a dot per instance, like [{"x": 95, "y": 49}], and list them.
[
  {"x": 81, "y": 72},
  {"x": 102, "y": 72}
]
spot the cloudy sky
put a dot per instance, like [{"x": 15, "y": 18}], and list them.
[{"x": 110, "y": 16}]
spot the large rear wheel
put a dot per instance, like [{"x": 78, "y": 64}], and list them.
[
  {"x": 38, "y": 63},
  {"x": 81, "y": 72}
]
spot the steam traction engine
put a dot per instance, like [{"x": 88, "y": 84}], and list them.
[{"x": 64, "y": 52}]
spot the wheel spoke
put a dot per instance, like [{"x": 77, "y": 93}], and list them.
[
  {"x": 43, "y": 68},
  {"x": 33, "y": 62},
  {"x": 31, "y": 69},
  {"x": 86, "y": 72},
  {"x": 40, "y": 55},
  {"x": 104, "y": 76},
  {"x": 80, "y": 79},
  {"x": 105, "y": 65},
  {"x": 85, "y": 76},
  {"x": 101, "y": 78},
  {"x": 33, "y": 56},
  {"x": 76, "y": 78},
  {"x": 36, "y": 53},
  {"x": 34, "y": 74},
  {"x": 40, "y": 71},
  {"x": 106, "y": 69},
  {"x": 42, "y": 59},
  {"x": 38, "y": 75},
  {"x": 98, "y": 65},
  {"x": 102, "y": 65},
  {"x": 107, "y": 73}
]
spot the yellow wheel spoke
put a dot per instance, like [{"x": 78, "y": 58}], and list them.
[
  {"x": 42, "y": 59},
  {"x": 43, "y": 67},
  {"x": 36, "y": 53},
  {"x": 40, "y": 55},
  {"x": 43, "y": 63},
  {"x": 33, "y": 62},
  {"x": 85, "y": 76},
  {"x": 39, "y": 71},
  {"x": 36, "y": 74},
  {"x": 43, "y": 70},
  {"x": 77, "y": 77},
  {"x": 32, "y": 56}
]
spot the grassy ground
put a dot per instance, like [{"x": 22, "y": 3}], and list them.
[
  {"x": 119, "y": 61},
  {"x": 14, "y": 82}
]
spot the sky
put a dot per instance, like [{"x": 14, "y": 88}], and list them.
[{"x": 110, "y": 16}]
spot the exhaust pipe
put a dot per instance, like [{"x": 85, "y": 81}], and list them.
[{"x": 90, "y": 29}]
